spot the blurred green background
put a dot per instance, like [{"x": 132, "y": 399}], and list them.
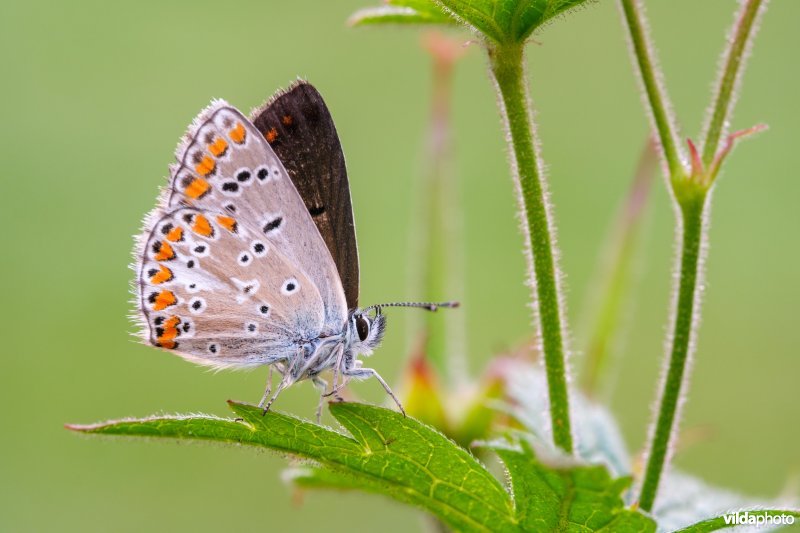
[{"x": 94, "y": 98}]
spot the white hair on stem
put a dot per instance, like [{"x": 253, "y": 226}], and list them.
[
  {"x": 660, "y": 86},
  {"x": 737, "y": 81},
  {"x": 525, "y": 230},
  {"x": 669, "y": 341}
]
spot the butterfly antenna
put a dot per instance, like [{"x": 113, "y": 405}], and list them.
[{"x": 430, "y": 306}]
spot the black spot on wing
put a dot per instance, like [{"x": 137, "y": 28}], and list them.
[{"x": 273, "y": 224}]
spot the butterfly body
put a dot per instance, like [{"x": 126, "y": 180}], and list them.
[{"x": 249, "y": 262}]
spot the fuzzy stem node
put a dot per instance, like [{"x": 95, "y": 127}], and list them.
[{"x": 733, "y": 62}]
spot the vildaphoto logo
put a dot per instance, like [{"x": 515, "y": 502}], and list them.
[{"x": 758, "y": 519}]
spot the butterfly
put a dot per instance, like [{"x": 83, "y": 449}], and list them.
[{"x": 250, "y": 257}]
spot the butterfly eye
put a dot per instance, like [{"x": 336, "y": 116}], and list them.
[{"x": 362, "y": 327}]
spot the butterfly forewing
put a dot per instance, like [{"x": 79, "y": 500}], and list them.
[
  {"x": 299, "y": 128},
  {"x": 227, "y": 165},
  {"x": 232, "y": 270}
]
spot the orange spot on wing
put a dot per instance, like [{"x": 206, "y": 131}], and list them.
[
  {"x": 206, "y": 166},
  {"x": 218, "y": 147},
  {"x": 202, "y": 226},
  {"x": 162, "y": 276},
  {"x": 165, "y": 252},
  {"x": 163, "y": 300},
  {"x": 238, "y": 133},
  {"x": 168, "y": 335},
  {"x": 197, "y": 188},
  {"x": 287, "y": 120},
  {"x": 271, "y": 135},
  {"x": 168, "y": 332},
  {"x": 175, "y": 234},
  {"x": 229, "y": 223}
]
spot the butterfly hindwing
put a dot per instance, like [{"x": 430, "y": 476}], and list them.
[
  {"x": 299, "y": 128},
  {"x": 215, "y": 291}
]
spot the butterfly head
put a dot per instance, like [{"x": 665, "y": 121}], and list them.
[{"x": 366, "y": 328}]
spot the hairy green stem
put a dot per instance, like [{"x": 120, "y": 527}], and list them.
[
  {"x": 656, "y": 95},
  {"x": 726, "y": 88},
  {"x": 691, "y": 193},
  {"x": 507, "y": 68},
  {"x": 692, "y": 207}
]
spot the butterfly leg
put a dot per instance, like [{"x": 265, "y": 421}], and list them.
[
  {"x": 336, "y": 375},
  {"x": 285, "y": 382},
  {"x": 268, "y": 390},
  {"x": 363, "y": 373},
  {"x": 322, "y": 385}
]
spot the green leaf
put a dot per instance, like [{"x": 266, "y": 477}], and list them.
[
  {"x": 725, "y": 521},
  {"x": 502, "y": 21},
  {"x": 568, "y": 498},
  {"x": 427, "y": 467},
  {"x": 481, "y": 16},
  {"x": 531, "y": 14},
  {"x": 598, "y": 437},
  {"x": 387, "y": 453},
  {"x": 507, "y": 21},
  {"x": 317, "y": 477},
  {"x": 401, "y": 12}
]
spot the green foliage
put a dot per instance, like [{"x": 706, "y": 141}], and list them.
[
  {"x": 508, "y": 21},
  {"x": 390, "y": 454},
  {"x": 401, "y": 12},
  {"x": 385, "y": 452},
  {"x": 502, "y": 21},
  {"x": 575, "y": 498}
]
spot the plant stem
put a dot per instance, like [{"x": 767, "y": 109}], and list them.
[
  {"x": 506, "y": 62},
  {"x": 618, "y": 273},
  {"x": 441, "y": 275},
  {"x": 734, "y": 57},
  {"x": 652, "y": 85},
  {"x": 692, "y": 207},
  {"x": 691, "y": 193}
]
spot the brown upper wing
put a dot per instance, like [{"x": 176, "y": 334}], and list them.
[{"x": 299, "y": 128}]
